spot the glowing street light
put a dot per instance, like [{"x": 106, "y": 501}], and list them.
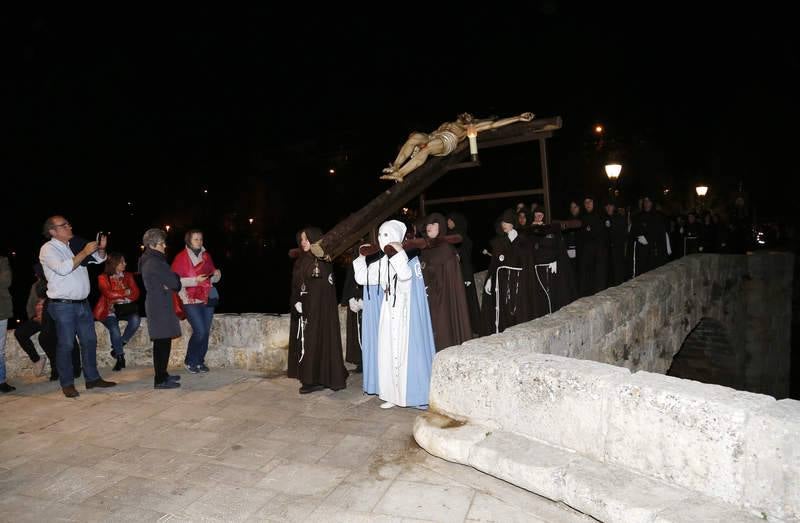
[
  {"x": 598, "y": 129},
  {"x": 251, "y": 220},
  {"x": 167, "y": 227},
  {"x": 701, "y": 190},
  {"x": 613, "y": 170}
]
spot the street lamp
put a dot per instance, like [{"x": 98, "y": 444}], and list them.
[
  {"x": 701, "y": 191},
  {"x": 612, "y": 171},
  {"x": 167, "y": 227}
]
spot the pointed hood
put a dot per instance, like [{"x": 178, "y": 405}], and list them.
[{"x": 391, "y": 231}]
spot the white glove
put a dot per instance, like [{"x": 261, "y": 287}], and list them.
[
  {"x": 512, "y": 235},
  {"x": 355, "y": 305},
  {"x": 467, "y": 283},
  {"x": 298, "y": 307},
  {"x": 488, "y": 286},
  {"x": 642, "y": 240},
  {"x": 553, "y": 267}
]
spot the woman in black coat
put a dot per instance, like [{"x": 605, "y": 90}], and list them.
[{"x": 162, "y": 323}]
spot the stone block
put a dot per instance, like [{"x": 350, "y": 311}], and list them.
[{"x": 688, "y": 433}]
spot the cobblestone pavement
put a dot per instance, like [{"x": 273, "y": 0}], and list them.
[{"x": 232, "y": 445}]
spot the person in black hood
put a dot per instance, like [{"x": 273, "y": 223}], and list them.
[
  {"x": 508, "y": 298},
  {"x": 649, "y": 238},
  {"x": 617, "y": 232},
  {"x": 457, "y": 224},
  {"x": 555, "y": 279},
  {"x": 315, "y": 342},
  {"x": 593, "y": 251}
]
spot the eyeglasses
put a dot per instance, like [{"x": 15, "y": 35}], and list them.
[{"x": 65, "y": 224}]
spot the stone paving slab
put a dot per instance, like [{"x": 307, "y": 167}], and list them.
[{"x": 232, "y": 445}]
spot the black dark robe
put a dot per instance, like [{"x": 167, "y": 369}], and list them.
[
  {"x": 352, "y": 290},
  {"x": 693, "y": 238},
  {"x": 653, "y": 227},
  {"x": 516, "y": 288},
  {"x": 322, "y": 362},
  {"x": 464, "y": 250},
  {"x": 445, "y": 287},
  {"x": 592, "y": 255},
  {"x": 553, "y": 289},
  {"x": 617, "y": 231}
]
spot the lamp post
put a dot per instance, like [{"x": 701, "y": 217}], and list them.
[
  {"x": 701, "y": 191},
  {"x": 612, "y": 171}
]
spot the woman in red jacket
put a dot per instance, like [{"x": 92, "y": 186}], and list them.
[
  {"x": 118, "y": 296},
  {"x": 198, "y": 296}
]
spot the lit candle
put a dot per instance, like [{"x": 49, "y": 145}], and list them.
[{"x": 472, "y": 134}]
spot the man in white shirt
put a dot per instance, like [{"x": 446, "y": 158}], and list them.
[{"x": 67, "y": 290}]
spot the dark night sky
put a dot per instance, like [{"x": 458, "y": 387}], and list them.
[{"x": 108, "y": 107}]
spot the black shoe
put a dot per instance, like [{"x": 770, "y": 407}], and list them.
[
  {"x": 305, "y": 389},
  {"x": 202, "y": 368},
  {"x": 169, "y": 384},
  {"x": 120, "y": 364},
  {"x": 173, "y": 377},
  {"x": 99, "y": 382},
  {"x": 5, "y": 387},
  {"x": 70, "y": 391}
]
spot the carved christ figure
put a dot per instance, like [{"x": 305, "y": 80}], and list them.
[{"x": 440, "y": 142}]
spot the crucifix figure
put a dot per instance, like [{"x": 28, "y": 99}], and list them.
[{"x": 441, "y": 142}]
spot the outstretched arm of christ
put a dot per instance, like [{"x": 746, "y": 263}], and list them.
[{"x": 494, "y": 124}]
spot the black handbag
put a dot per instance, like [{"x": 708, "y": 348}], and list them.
[{"x": 121, "y": 310}]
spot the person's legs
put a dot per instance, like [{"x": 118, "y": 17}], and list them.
[
  {"x": 112, "y": 324},
  {"x": 24, "y": 333},
  {"x": 414, "y": 140},
  {"x": 208, "y": 320},
  {"x": 130, "y": 329},
  {"x": 435, "y": 146},
  {"x": 88, "y": 339},
  {"x": 65, "y": 317},
  {"x": 161, "y": 350},
  {"x": 196, "y": 315}
]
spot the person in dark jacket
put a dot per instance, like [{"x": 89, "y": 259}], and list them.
[{"x": 162, "y": 323}]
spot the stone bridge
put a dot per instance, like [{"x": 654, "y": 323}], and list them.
[{"x": 576, "y": 406}]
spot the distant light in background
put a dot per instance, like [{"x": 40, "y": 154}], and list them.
[
  {"x": 251, "y": 220},
  {"x": 332, "y": 172},
  {"x": 666, "y": 191},
  {"x": 141, "y": 247},
  {"x": 167, "y": 227},
  {"x": 205, "y": 191},
  {"x": 701, "y": 190},
  {"x": 598, "y": 129}
]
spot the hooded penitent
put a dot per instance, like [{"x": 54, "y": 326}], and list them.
[
  {"x": 511, "y": 280},
  {"x": 315, "y": 343},
  {"x": 446, "y": 295},
  {"x": 555, "y": 277},
  {"x": 464, "y": 251},
  {"x": 405, "y": 339}
]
